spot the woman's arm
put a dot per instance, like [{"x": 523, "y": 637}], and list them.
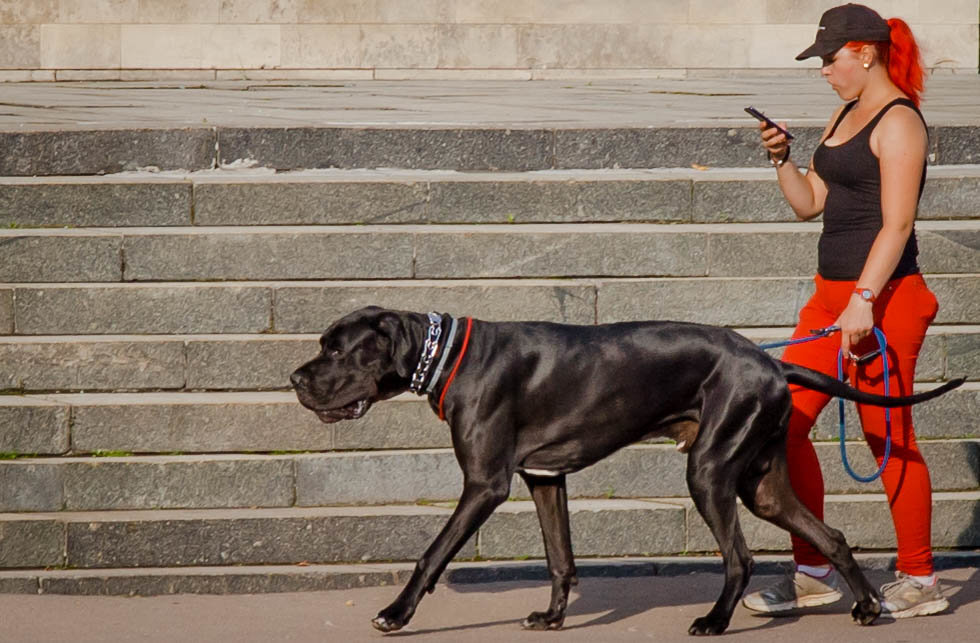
[
  {"x": 807, "y": 193},
  {"x": 900, "y": 143}
]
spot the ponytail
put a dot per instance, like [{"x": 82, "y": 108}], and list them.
[{"x": 902, "y": 57}]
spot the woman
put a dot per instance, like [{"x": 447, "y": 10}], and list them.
[{"x": 866, "y": 177}]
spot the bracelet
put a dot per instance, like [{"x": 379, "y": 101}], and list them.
[{"x": 778, "y": 164}]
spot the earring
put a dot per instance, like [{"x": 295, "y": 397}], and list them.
[{"x": 867, "y": 65}]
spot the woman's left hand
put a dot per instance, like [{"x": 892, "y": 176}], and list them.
[{"x": 855, "y": 323}]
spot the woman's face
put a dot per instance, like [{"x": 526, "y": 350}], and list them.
[{"x": 844, "y": 70}]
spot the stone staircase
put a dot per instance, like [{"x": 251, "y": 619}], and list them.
[{"x": 150, "y": 319}]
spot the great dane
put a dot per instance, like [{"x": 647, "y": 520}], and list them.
[{"x": 544, "y": 400}]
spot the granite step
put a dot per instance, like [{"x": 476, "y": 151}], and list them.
[
  {"x": 274, "y": 422},
  {"x": 309, "y": 306},
  {"x": 351, "y": 197},
  {"x": 480, "y": 147},
  {"x": 283, "y": 536},
  {"x": 419, "y": 476},
  {"x": 129, "y": 363},
  {"x": 96, "y": 255},
  {"x": 261, "y": 579}
]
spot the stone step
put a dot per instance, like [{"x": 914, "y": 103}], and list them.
[
  {"x": 274, "y": 422},
  {"x": 221, "y": 537},
  {"x": 310, "y": 306},
  {"x": 476, "y": 148},
  {"x": 445, "y": 252},
  {"x": 123, "y": 363},
  {"x": 262, "y": 579},
  {"x": 350, "y": 197},
  {"x": 386, "y": 477}
]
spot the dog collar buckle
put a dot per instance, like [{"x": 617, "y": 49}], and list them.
[{"x": 429, "y": 350}]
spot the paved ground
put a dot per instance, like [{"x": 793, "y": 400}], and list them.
[
  {"x": 950, "y": 99},
  {"x": 602, "y": 610}
]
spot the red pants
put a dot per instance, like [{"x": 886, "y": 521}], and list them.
[{"x": 902, "y": 311}]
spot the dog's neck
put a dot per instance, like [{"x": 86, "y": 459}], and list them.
[{"x": 436, "y": 343}]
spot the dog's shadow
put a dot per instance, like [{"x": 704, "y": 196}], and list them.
[{"x": 605, "y": 601}]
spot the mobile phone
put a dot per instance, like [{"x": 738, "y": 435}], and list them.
[{"x": 768, "y": 121}]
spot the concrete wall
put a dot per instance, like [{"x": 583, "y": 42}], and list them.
[{"x": 395, "y": 39}]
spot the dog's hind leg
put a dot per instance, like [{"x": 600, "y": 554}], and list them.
[
  {"x": 709, "y": 481},
  {"x": 766, "y": 492},
  {"x": 551, "y": 502}
]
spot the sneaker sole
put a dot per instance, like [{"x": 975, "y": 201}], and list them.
[
  {"x": 813, "y": 600},
  {"x": 922, "y": 609}
]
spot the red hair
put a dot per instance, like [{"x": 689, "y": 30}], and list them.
[{"x": 901, "y": 55}]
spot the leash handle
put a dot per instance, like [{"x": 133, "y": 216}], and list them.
[{"x": 882, "y": 345}]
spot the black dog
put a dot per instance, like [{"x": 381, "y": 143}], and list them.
[{"x": 546, "y": 399}]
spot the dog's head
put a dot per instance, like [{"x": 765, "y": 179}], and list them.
[{"x": 366, "y": 356}]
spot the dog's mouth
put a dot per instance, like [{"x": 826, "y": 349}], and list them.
[{"x": 351, "y": 411}]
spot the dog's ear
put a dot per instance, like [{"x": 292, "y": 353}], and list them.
[{"x": 395, "y": 339}]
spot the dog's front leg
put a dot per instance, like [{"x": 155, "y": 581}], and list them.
[
  {"x": 478, "y": 501},
  {"x": 551, "y": 501}
]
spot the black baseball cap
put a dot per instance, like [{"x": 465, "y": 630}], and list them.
[{"x": 846, "y": 23}]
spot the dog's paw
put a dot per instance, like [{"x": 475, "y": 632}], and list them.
[
  {"x": 707, "y": 626},
  {"x": 543, "y": 621},
  {"x": 865, "y": 612},
  {"x": 391, "y": 619}
]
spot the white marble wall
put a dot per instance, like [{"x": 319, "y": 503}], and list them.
[{"x": 449, "y": 38}]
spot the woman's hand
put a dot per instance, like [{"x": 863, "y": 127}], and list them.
[
  {"x": 774, "y": 141},
  {"x": 855, "y": 323}
]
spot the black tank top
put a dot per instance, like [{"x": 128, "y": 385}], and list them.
[{"x": 852, "y": 211}]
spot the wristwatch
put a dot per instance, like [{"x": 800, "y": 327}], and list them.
[{"x": 866, "y": 294}]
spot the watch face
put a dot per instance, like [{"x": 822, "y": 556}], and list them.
[{"x": 866, "y": 294}]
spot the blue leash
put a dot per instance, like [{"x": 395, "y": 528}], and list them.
[{"x": 882, "y": 345}]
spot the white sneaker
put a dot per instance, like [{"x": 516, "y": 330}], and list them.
[
  {"x": 793, "y": 591},
  {"x": 907, "y": 597}
]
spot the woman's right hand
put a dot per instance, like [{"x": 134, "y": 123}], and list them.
[{"x": 774, "y": 141}]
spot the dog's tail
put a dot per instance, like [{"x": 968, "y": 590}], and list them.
[{"x": 832, "y": 386}]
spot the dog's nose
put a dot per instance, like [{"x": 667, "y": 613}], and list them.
[{"x": 298, "y": 379}]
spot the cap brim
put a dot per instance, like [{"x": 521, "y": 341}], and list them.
[{"x": 820, "y": 49}]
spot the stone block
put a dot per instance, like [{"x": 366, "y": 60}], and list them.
[
  {"x": 183, "y": 11},
  {"x": 178, "y": 483},
  {"x": 949, "y": 251},
  {"x": 20, "y": 46},
  {"x": 33, "y": 257},
  {"x": 91, "y": 365},
  {"x": 612, "y": 12},
  {"x": 304, "y": 309},
  {"x": 73, "y": 152},
  {"x": 723, "y": 302},
  {"x": 399, "y": 45},
  {"x": 648, "y": 471},
  {"x": 113, "y": 11},
  {"x": 954, "y": 520},
  {"x": 739, "y": 200},
  {"x": 150, "y": 309},
  {"x": 80, "y": 46},
  {"x": 962, "y": 355},
  {"x": 492, "y": 254},
  {"x": 583, "y": 46},
  {"x": 599, "y": 528},
  {"x": 26, "y": 485},
  {"x": 6, "y": 311},
  {"x": 959, "y": 145},
  {"x": 84, "y": 203},
  {"x": 950, "y": 198},
  {"x": 435, "y": 149},
  {"x": 951, "y": 46},
  {"x": 377, "y": 478},
  {"x": 959, "y": 298},
  {"x": 402, "y": 423},
  {"x": 469, "y": 46},
  {"x": 195, "y": 46},
  {"x": 259, "y": 11},
  {"x": 269, "y": 255},
  {"x": 325, "y": 46},
  {"x": 33, "y": 426},
  {"x": 734, "y": 12},
  {"x": 21, "y": 584},
  {"x": 746, "y": 254},
  {"x": 248, "y": 537},
  {"x": 931, "y": 365},
  {"x": 31, "y": 543},
  {"x": 309, "y": 202},
  {"x": 258, "y": 364},
  {"x": 495, "y": 11},
  {"x": 546, "y": 201},
  {"x": 196, "y": 423},
  {"x": 36, "y": 12},
  {"x": 668, "y": 147}
]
